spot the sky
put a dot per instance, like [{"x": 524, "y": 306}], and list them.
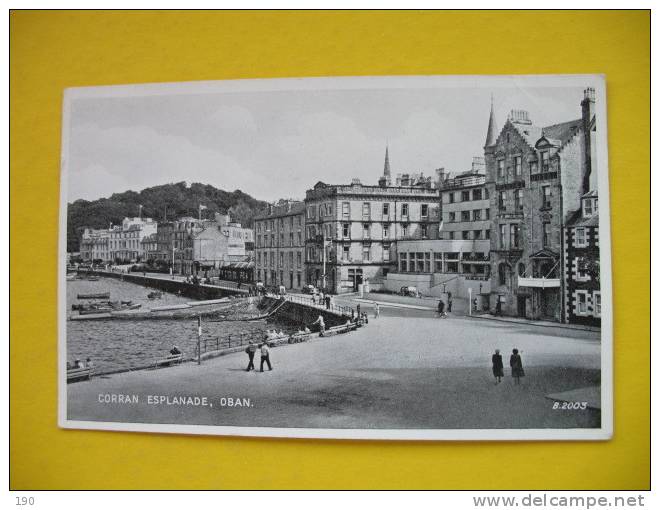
[{"x": 278, "y": 144}]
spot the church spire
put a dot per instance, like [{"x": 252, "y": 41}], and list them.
[
  {"x": 386, "y": 169},
  {"x": 491, "y": 136}
]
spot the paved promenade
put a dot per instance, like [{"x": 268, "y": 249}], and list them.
[{"x": 386, "y": 375}]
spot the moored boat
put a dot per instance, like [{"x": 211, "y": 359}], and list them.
[{"x": 99, "y": 295}]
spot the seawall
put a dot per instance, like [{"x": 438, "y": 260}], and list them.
[
  {"x": 302, "y": 313},
  {"x": 201, "y": 291}
]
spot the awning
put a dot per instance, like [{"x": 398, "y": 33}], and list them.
[{"x": 540, "y": 283}]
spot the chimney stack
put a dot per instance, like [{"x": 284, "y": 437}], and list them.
[
  {"x": 519, "y": 117},
  {"x": 588, "y": 113}
]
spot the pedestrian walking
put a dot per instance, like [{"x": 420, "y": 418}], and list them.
[
  {"x": 498, "y": 307},
  {"x": 376, "y": 310},
  {"x": 313, "y": 298},
  {"x": 449, "y": 302},
  {"x": 498, "y": 366},
  {"x": 441, "y": 308},
  {"x": 265, "y": 356},
  {"x": 321, "y": 324},
  {"x": 327, "y": 302},
  {"x": 251, "y": 351},
  {"x": 358, "y": 310},
  {"x": 474, "y": 305},
  {"x": 516, "y": 366}
]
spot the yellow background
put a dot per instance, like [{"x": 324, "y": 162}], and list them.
[{"x": 54, "y": 50}]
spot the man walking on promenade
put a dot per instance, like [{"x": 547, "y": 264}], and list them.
[
  {"x": 265, "y": 356},
  {"x": 251, "y": 350},
  {"x": 327, "y": 302},
  {"x": 376, "y": 310},
  {"x": 449, "y": 302}
]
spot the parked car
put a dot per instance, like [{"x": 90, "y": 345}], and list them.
[
  {"x": 409, "y": 291},
  {"x": 310, "y": 289}
]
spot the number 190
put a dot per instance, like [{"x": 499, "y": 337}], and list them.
[{"x": 24, "y": 501}]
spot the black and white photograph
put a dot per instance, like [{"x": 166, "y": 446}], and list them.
[{"x": 408, "y": 258}]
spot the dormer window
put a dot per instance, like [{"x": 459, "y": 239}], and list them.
[{"x": 589, "y": 207}]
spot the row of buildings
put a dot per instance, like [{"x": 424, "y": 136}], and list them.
[
  {"x": 188, "y": 245},
  {"x": 518, "y": 231}
]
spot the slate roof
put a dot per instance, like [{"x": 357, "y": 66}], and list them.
[{"x": 562, "y": 132}]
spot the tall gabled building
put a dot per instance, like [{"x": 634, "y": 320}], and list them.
[{"x": 535, "y": 177}]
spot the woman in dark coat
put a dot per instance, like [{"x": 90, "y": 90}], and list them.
[
  {"x": 498, "y": 366},
  {"x": 516, "y": 366}
]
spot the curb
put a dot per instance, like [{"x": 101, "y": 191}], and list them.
[{"x": 529, "y": 323}]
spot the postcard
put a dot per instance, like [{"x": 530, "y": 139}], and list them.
[{"x": 406, "y": 258}]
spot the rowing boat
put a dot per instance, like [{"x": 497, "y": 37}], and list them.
[{"x": 100, "y": 295}]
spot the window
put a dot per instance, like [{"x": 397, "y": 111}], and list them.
[
  {"x": 589, "y": 207},
  {"x": 521, "y": 269},
  {"x": 597, "y": 303},
  {"x": 476, "y": 194},
  {"x": 546, "y": 197},
  {"x": 403, "y": 261},
  {"x": 346, "y": 210},
  {"x": 465, "y": 234},
  {"x": 465, "y": 196},
  {"x": 290, "y": 259},
  {"x": 501, "y": 272},
  {"x": 465, "y": 215},
  {"x": 545, "y": 161},
  {"x": 386, "y": 231},
  {"x": 533, "y": 166},
  {"x": 451, "y": 198},
  {"x": 487, "y": 213},
  {"x": 290, "y": 238},
  {"x": 427, "y": 262},
  {"x": 420, "y": 262},
  {"x": 386, "y": 252},
  {"x": 476, "y": 215},
  {"x": 518, "y": 199},
  {"x": 501, "y": 201},
  {"x": 366, "y": 231},
  {"x": 452, "y": 217},
  {"x": 517, "y": 165},
  {"x": 452, "y": 235},
  {"x": 404, "y": 230},
  {"x": 546, "y": 234},
  {"x": 366, "y": 251},
  {"x": 346, "y": 230},
  {"x": 581, "y": 269},
  {"x": 281, "y": 259},
  {"x": 299, "y": 259},
  {"x": 487, "y": 233},
  {"x": 580, "y": 237},
  {"x": 514, "y": 230},
  {"x": 299, "y": 237},
  {"x": 386, "y": 210},
  {"x": 345, "y": 252},
  {"x": 366, "y": 210},
  {"x": 581, "y": 296},
  {"x": 425, "y": 211},
  {"x": 298, "y": 280},
  {"x": 476, "y": 234},
  {"x": 404, "y": 210},
  {"x": 437, "y": 262},
  {"x": 500, "y": 168},
  {"x": 425, "y": 231},
  {"x": 502, "y": 237}
]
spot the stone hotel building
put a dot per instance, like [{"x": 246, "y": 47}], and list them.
[{"x": 280, "y": 245}]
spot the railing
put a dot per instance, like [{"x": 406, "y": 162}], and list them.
[
  {"x": 303, "y": 300},
  {"x": 231, "y": 340}
]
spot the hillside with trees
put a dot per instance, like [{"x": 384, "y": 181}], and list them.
[{"x": 165, "y": 202}]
